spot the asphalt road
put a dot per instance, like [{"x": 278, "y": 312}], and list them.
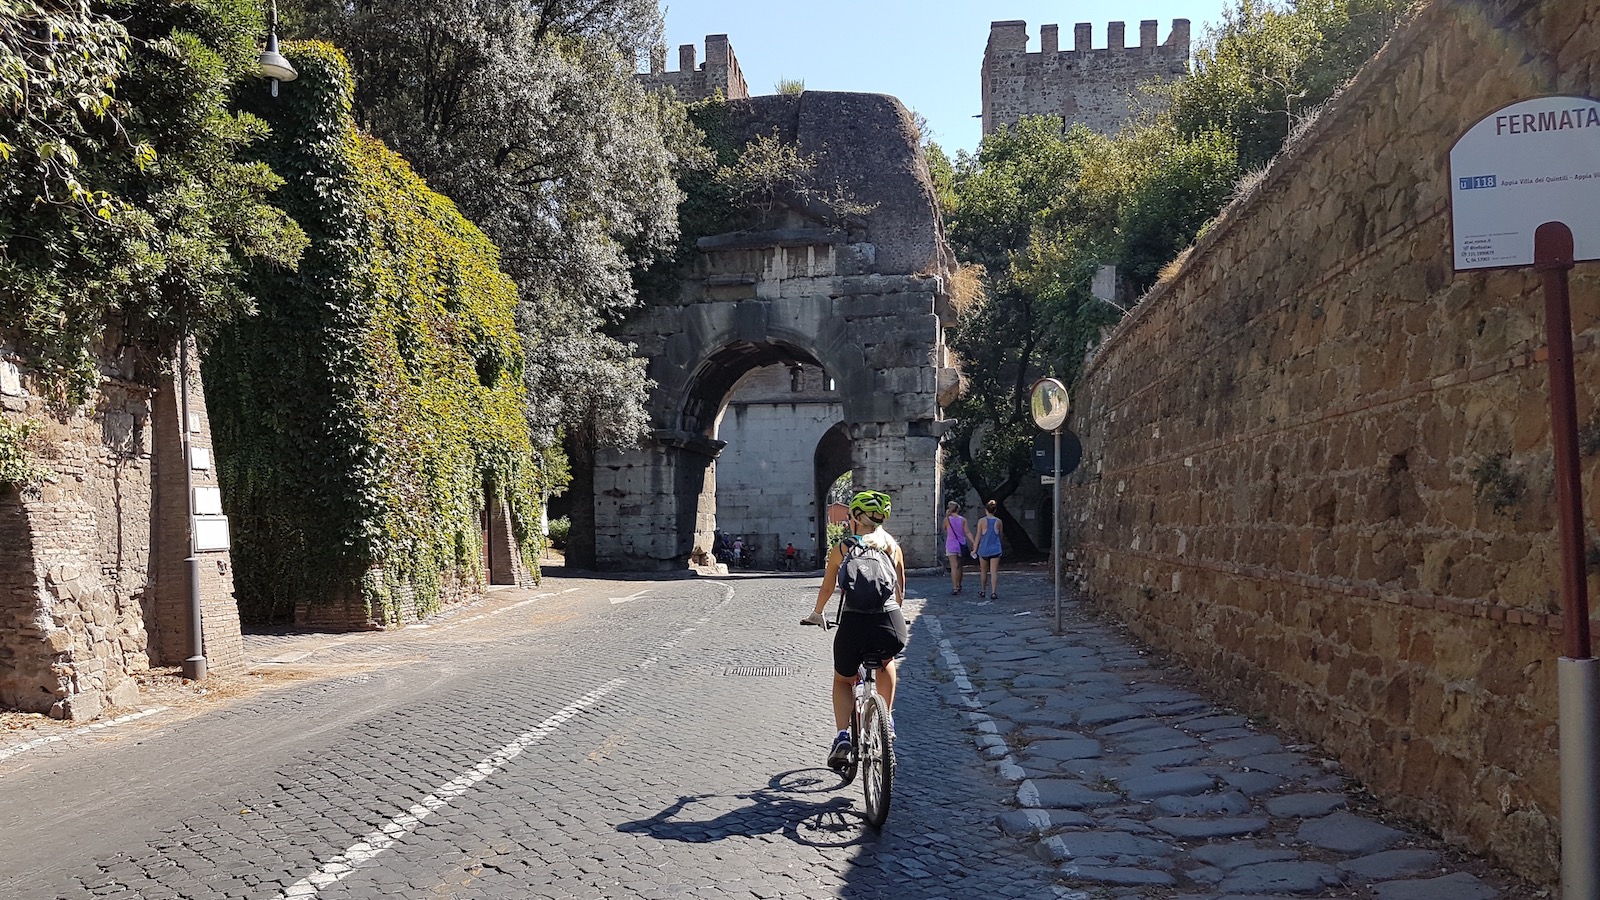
[{"x": 591, "y": 738}]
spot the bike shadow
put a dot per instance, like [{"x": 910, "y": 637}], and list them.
[{"x": 778, "y": 808}]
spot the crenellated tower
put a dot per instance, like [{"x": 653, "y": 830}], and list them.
[
  {"x": 694, "y": 82},
  {"x": 1082, "y": 85}
]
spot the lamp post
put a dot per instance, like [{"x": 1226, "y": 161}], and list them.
[
  {"x": 1050, "y": 404},
  {"x": 273, "y": 65}
]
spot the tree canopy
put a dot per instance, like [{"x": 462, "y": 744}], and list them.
[
  {"x": 122, "y": 192},
  {"x": 528, "y": 116},
  {"x": 1040, "y": 207}
]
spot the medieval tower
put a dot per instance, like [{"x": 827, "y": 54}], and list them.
[
  {"x": 720, "y": 71},
  {"x": 1082, "y": 85}
]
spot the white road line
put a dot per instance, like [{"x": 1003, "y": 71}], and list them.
[
  {"x": 633, "y": 596},
  {"x": 9, "y": 752},
  {"x": 987, "y": 733},
  {"x": 363, "y": 852}
]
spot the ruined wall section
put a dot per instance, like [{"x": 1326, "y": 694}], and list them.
[
  {"x": 1082, "y": 85},
  {"x": 1318, "y": 461},
  {"x": 865, "y": 298},
  {"x": 691, "y": 82},
  {"x": 81, "y": 609}
]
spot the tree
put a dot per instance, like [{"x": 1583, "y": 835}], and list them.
[
  {"x": 122, "y": 193},
  {"x": 529, "y": 118},
  {"x": 1267, "y": 66},
  {"x": 1020, "y": 209}
]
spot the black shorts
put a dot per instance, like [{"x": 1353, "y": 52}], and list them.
[{"x": 860, "y": 635}]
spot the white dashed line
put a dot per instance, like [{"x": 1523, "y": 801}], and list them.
[
  {"x": 9, "y": 752},
  {"x": 368, "y": 848},
  {"x": 987, "y": 733}
]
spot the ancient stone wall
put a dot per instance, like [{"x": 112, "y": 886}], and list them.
[
  {"x": 91, "y": 585},
  {"x": 766, "y": 475},
  {"x": 1318, "y": 464},
  {"x": 719, "y": 73},
  {"x": 865, "y": 298},
  {"x": 1082, "y": 85}
]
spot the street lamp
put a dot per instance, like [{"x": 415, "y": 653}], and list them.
[{"x": 272, "y": 63}]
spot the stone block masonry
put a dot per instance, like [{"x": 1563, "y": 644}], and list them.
[
  {"x": 91, "y": 580},
  {"x": 1083, "y": 85},
  {"x": 864, "y": 299},
  {"x": 1317, "y": 460}
]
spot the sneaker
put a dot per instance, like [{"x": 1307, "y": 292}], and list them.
[
  {"x": 892, "y": 735},
  {"x": 839, "y": 756}
]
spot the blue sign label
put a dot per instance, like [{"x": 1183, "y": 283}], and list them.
[{"x": 1473, "y": 182}]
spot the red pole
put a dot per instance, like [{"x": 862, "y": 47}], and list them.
[{"x": 1552, "y": 257}]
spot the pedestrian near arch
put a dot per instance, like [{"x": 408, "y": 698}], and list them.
[
  {"x": 988, "y": 545},
  {"x": 957, "y": 538}
]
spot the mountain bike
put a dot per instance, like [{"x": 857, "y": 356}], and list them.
[{"x": 871, "y": 744}]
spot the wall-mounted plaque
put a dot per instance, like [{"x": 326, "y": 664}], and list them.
[
  {"x": 200, "y": 459},
  {"x": 210, "y": 533},
  {"x": 207, "y": 501}
]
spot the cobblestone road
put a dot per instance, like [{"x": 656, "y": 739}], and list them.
[
  {"x": 598, "y": 741},
  {"x": 605, "y": 738}
]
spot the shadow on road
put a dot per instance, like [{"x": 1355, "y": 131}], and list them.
[{"x": 780, "y": 807}]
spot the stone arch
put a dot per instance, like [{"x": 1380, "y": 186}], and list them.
[
  {"x": 831, "y": 460},
  {"x": 863, "y": 297}
]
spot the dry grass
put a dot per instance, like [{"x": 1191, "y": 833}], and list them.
[
  {"x": 966, "y": 288},
  {"x": 1171, "y": 269}
]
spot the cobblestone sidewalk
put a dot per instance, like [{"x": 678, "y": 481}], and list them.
[{"x": 1135, "y": 786}]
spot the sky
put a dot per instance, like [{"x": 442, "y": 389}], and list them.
[{"x": 926, "y": 53}]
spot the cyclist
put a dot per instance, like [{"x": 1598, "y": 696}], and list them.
[{"x": 862, "y": 634}]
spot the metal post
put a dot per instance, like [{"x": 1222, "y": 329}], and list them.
[
  {"x": 194, "y": 668},
  {"x": 1577, "y": 673},
  {"x": 1055, "y": 526}
]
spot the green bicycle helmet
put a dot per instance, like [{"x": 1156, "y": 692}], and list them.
[{"x": 874, "y": 503}]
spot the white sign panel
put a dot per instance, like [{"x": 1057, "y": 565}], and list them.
[
  {"x": 1521, "y": 166},
  {"x": 200, "y": 459},
  {"x": 207, "y": 501},
  {"x": 210, "y": 532}
]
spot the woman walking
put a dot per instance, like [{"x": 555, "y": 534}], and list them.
[
  {"x": 956, "y": 540},
  {"x": 989, "y": 551}
]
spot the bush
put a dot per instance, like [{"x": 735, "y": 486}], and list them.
[{"x": 559, "y": 529}]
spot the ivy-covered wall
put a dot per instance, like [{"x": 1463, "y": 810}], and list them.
[{"x": 373, "y": 407}]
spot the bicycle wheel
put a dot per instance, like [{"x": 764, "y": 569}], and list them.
[
  {"x": 877, "y": 759},
  {"x": 848, "y": 773}
]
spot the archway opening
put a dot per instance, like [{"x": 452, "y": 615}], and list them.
[{"x": 772, "y": 424}]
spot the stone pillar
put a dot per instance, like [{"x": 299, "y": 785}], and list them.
[
  {"x": 654, "y": 506},
  {"x": 907, "y": 468},
  {"x": 1082, "y": 37},
  {"x": 1147, "y": 33},
  {"x": 168, "y": 599},
  {"x": 1049, "y": 41},
  {"x": 1116, "y": 35},
  {"x": 506, "y": 565}
]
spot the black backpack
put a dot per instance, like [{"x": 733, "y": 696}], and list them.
[{"x": 867, "y": 577}]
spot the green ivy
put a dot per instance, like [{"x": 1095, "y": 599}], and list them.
[
  {"x": 18, "y": 465},
  {"x": 362, "y": 416}
]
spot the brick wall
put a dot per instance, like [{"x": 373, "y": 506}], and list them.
[
  {"x": 1285, "y": 446},
  {"x": 78, "y": 603}
]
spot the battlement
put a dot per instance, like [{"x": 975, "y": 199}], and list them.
[
  {"x": 1085, "y": 84},
  {"x": 693, "y": 82}
]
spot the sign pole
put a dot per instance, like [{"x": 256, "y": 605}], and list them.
[
  {"x": 1055, "y": 526},
  {"x": 1578, "y": 673}
]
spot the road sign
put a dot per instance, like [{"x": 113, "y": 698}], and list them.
[
  {"x": 1071, "y": 453},
  {"x": 1532, "y": 162}
]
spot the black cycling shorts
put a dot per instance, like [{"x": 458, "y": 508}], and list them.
[{"x": 861, "y": 635}]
